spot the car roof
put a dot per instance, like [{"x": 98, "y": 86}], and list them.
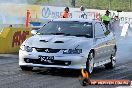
[{"x": 77, "y": 19}]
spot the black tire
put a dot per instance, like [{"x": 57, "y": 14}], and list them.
[
  {"x": 112, "y": 64},
  {"x": 25, "y": 68},
  {"x": 90, "y": 63}
]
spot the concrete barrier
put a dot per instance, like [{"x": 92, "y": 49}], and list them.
[{"x": 11, "y": 39}]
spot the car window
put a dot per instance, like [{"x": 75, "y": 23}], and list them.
[
  {"x": 99, "y": 31},
  {"x": 69, "y": 28}
]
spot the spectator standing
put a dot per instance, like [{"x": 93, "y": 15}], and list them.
[
  {"x": 65, "y": 14},
  {"x": 106, "y": 18}
]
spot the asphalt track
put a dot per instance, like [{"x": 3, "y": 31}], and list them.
[{"x": 11, "y": 76}]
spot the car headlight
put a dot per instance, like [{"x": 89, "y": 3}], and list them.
[
  {"x": 72, "y": 51},
  {"x": 26, "y": 48}
]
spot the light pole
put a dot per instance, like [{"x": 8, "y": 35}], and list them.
[
  {"x": 110, "y": 4},
  {"x": 129, "y": 4},
  {"x": 73, "y": 2}
]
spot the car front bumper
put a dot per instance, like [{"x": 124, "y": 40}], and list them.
[{"x": 76, "y": 61}]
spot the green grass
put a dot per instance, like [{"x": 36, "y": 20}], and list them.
[{"x": 125, "y": 5}]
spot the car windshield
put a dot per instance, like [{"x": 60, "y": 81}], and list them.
[{"x": 67, "y": 28}]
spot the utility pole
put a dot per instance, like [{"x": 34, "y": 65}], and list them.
[
  {"x": 73, "y": 2},
  {"x": 110, "y": 4},
  {"x": 89, "y": 4},
  {"x": 129, "y": 4}
]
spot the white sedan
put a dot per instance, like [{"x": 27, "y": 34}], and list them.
[{"x": 69, "y": 43}]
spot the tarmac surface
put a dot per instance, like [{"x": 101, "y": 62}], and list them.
[{"x": 11, "y": 76}]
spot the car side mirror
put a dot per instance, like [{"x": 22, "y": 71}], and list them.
[{"x": 34, "y": 32}]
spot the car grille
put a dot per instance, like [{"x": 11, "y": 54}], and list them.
[
  {"x": 55, "y": 62},
  {"x": 47, "y": 50}
]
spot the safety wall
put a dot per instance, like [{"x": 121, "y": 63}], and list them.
[
  {"x": 12, "y": 38},
  {"x": 48, "y": 12},
  {"x": 16, "y": 13},
  {"x": 19, "y": 10},
  {"x": 55, "y": 12}
]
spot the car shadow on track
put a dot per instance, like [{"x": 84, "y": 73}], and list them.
[
  {"x": 58, "y": 72},
  {"x": 66, "y": 72}
]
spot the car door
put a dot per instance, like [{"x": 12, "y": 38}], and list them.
[
  {"x": 107, "y": 42},
  {"x": 99, "y": 42}
]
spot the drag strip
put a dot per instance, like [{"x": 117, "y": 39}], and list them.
[{"x": 11, "y": 76}]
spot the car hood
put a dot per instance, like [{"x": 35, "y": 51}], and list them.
[{"x": 58, "y": 41}]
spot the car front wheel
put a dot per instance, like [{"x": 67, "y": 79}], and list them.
[{"x": 25, "y": 68}]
